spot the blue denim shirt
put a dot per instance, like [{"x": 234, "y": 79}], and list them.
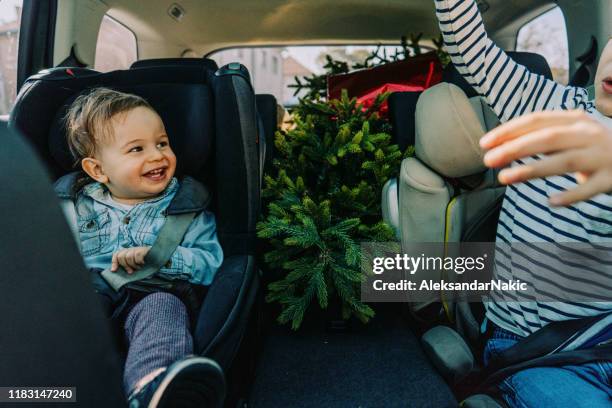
[{"x": 106, "y": 227}]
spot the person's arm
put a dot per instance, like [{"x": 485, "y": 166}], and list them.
[
  {"x": 554, "y": 134},
  {"x": 200, "y": 254},
  {"x": 509, "y": 88}
]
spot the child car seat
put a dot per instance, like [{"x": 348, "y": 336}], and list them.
[
  {"x": 445, "y": 186},
  {"x": 210, "y": 117}
]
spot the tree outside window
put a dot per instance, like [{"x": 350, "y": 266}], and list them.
[{"x": 546, "y": 35}]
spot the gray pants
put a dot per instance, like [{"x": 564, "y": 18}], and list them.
[{"x": 157, "y": 330}]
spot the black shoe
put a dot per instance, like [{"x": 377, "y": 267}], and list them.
[{"x": 190, "y": 382}]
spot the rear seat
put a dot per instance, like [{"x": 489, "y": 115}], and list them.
[
  {"x": 444, "y": 189},
  {"x": 534, "y": 62},
  {"x": 55, "y": 333},
  {"x": 402, "y": 107},
  {"x": 431, "y": 212}
]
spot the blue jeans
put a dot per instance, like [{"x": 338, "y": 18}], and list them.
[{"x": 586, "y": 385}]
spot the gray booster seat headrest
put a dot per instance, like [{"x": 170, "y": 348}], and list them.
[{"x": 448, "y": 128}]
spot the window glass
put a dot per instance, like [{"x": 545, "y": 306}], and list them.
[
  {"x": 275, "y": 65},
  {"x": 116, "y": 47},
  {"x": 546, "y": 35},
  {"x": 10, "y": 19},
  {"x": 285, "y": 63}
]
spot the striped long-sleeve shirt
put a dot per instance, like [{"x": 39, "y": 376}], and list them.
[{"x": 526, "y": 218}]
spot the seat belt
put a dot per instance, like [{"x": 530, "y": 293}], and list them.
[
  {"x": 71, "y": 217},
  {"x": 168, "y": 239},
  {"x": 574, "y": 357},
  {"x": 549, "y": 339},
  {"x": 541, "y": 349}
]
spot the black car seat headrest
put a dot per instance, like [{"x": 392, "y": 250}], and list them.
[
  {"x": 535, "y": 63},
  {"x": 402, "y": 107},
  {"x": 267, "y": 110},
  {"x": 206, "y": 63},
  {"x": 185, "y": 107}
]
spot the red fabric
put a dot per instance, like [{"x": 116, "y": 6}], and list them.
[
  {"x": 414, "y": 74},
  {"x": 368, "y": 99}
]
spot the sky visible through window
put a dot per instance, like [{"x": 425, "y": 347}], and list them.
[
  {"x": 8, "y": 10},
  {"x": 9, "y": 43}
]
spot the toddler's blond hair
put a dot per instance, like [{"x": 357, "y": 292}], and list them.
[{"x": 88, "y": 120}]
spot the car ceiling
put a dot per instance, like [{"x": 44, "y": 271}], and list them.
[{"x": 208, "y": 25}]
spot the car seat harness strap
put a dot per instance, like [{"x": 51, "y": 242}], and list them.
[
  {"x": 71, "y": 216},
  {"x": 168, "y": 239}
]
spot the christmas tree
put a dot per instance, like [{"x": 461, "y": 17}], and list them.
[
  {"x": 323, "y": 201},
  {"x": 324, "y": 194}
]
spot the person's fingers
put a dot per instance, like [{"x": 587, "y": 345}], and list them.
[
  {"x": 529, "y": 123},
  {"x": 598, "y": 183},
  {"x": 547, "y": 140},
  {"x": 582, "y": 176},
  {"x": 139, "y": 256},
  {"x": 135, "y": 259},
  {"x": 114, "y": 263},
  {"x": 560, "y": 163},
  {"x": 130, "y": 258},
  {"x": 121, "y": 258}
]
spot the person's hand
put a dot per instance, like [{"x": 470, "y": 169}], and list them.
[
  {"x": 573, "y": 143},
  {"x": 131, "y": 259}
]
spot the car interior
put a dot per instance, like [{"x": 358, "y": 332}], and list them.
[{"x": 415, "y": 354}]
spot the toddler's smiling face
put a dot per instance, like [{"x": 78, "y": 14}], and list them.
[{"x": 136, "y": 162}]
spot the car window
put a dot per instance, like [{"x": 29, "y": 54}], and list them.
[
  {"x": 10, "y": 19},
  {"x": 116, "y": 47},
  {"x": 273, "y": 69},
  {"x": 546, "y": 35}
]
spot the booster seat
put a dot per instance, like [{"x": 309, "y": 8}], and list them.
[
  {"x": 445, "y": 187},
  {"x": 445, "y": 192}
]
